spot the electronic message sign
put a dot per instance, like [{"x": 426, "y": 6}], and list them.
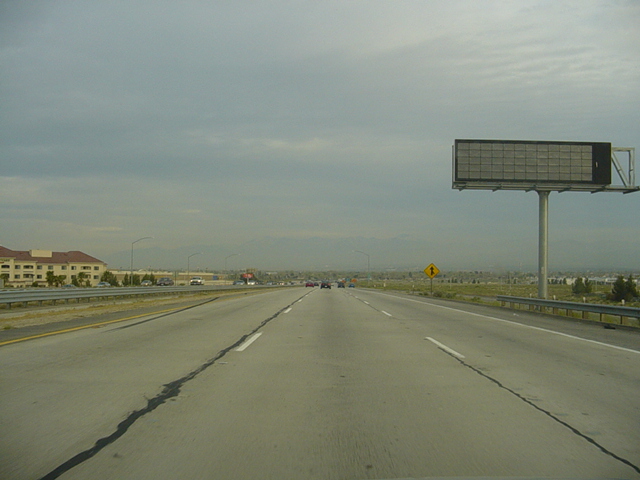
[
  {"x": 519, "y": 164},
  {"x": 542, "y": 167}
]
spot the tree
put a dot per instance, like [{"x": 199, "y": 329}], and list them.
[
  {"x": 55, "y": 280},
  {"x": 130, "y": 280},
  {"x": 83, "y": 277},
  {"x": 588, "y": 285},
  {"x": 79, "y": 279},
  {"x": 577, "y": 286},
  {"x": 110, "y": 278},
  {"x": 624, "y": 290},
  {"x": 632, "y": 287},
  {"x": 581, "y": 286}
]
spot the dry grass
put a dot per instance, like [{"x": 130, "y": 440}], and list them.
[
  {"x": 488, "y": 291},
  {"x": 32, "y": 315}
]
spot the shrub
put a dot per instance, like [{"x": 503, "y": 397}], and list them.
[
  {"x": 623, "y": 290},
  {"x": 581, "y": 286}
]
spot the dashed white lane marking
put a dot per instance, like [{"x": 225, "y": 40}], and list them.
[
  {"x": 445, "y": 348},
  {"x": 287, "y": 310},
  {"x": 517, "y": 324},
  {"x": 248, "y": 342},
  {"x": 386, "y": 313}
]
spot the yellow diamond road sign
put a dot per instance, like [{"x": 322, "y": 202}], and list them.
[{"x": 431, "y": 270}]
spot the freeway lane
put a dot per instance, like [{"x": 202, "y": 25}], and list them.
[
  {"x": 62, "y": 393},
  {"x": 333, "y": 387},
  {"x": 578, "y": 373}
]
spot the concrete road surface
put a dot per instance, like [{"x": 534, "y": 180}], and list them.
[{"x": 323, "y": 384}]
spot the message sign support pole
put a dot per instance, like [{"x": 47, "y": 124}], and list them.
[
  {"x": 566, "y": 166},
  {"x": 543, "y": 244}
]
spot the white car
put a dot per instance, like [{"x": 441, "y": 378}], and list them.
[{"x": 196, "y": 281}]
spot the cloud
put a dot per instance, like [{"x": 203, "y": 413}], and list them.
[{"x": 330, "y": 120}]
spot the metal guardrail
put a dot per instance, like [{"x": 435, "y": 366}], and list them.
[
  {"x": 28, "y": 295},
  {"x": 586, "y": 308}
]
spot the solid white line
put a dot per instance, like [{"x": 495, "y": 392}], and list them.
[
  {"x": 287, "y": 310},
  {"x": 445, "y": 348},
  {"x": 248, "y": 342},
  {"x": 387, "y": 314},
  {"x": 366, "y": 303},
  {"x": 516, "y": 323}
]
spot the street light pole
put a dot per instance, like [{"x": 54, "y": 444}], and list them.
[
  {"x": 227, "y": 258},
  {"x": 132, "y": 244},
  {"x": 189, "y": 258},
  {"x": 368, "y": 264}
]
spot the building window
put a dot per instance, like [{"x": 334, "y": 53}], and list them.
[
  {"x": 96, "y": 268},
  {"x": 17, "y": 277},
  {"x": 64, "y": 267},
  {"x": 17, "y": 267},
  {"x": 96, "y": 277},
  {"x": 6, "y": 266},
  {"x": 28, "y": 267},
  {"x": 39, "y": 267},
  {"x": 86, "y": 267},
  {"x": 39, "y": 277},
  {"x": 73, "y": 268},
  {"x": 49, "y": 267}
]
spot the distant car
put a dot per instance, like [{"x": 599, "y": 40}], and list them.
[
  {"x": 146, "y": 283},
  {"x": 352, "y": 285},
  {"x": 309, "y": 284},
  {"x": 325, "y": 285},
  {"x": 239, "y": 282},
  {"x": 340, "y": 284},
  {"x": 69, "y": 285},
  {"x": 164, "y": 282},
  {"x": 197, "y": 281},
  {"x": 103, "y": 284}
]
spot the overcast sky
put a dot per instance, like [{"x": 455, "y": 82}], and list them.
[{"x": 295, "y": 132}]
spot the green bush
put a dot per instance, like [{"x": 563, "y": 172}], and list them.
[
  {"x": 623, "y": 290},
  {"x": 580, "y": 287}
]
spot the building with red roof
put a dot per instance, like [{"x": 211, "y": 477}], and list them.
[{"x": 24, "y": 268}]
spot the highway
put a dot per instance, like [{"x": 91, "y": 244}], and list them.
[{"x": 323, "y": 384}]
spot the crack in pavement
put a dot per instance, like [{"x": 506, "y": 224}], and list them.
[
  {"x": 549, "y": 414},
  {"x": 170, "y": 390}
]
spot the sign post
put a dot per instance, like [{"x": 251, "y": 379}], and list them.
[
  {"x": 542, "y": 167},
  {"x": 431, "y": 272}
]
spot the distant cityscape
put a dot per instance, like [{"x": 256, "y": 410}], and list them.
[{"x": 33, "y": 267}]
